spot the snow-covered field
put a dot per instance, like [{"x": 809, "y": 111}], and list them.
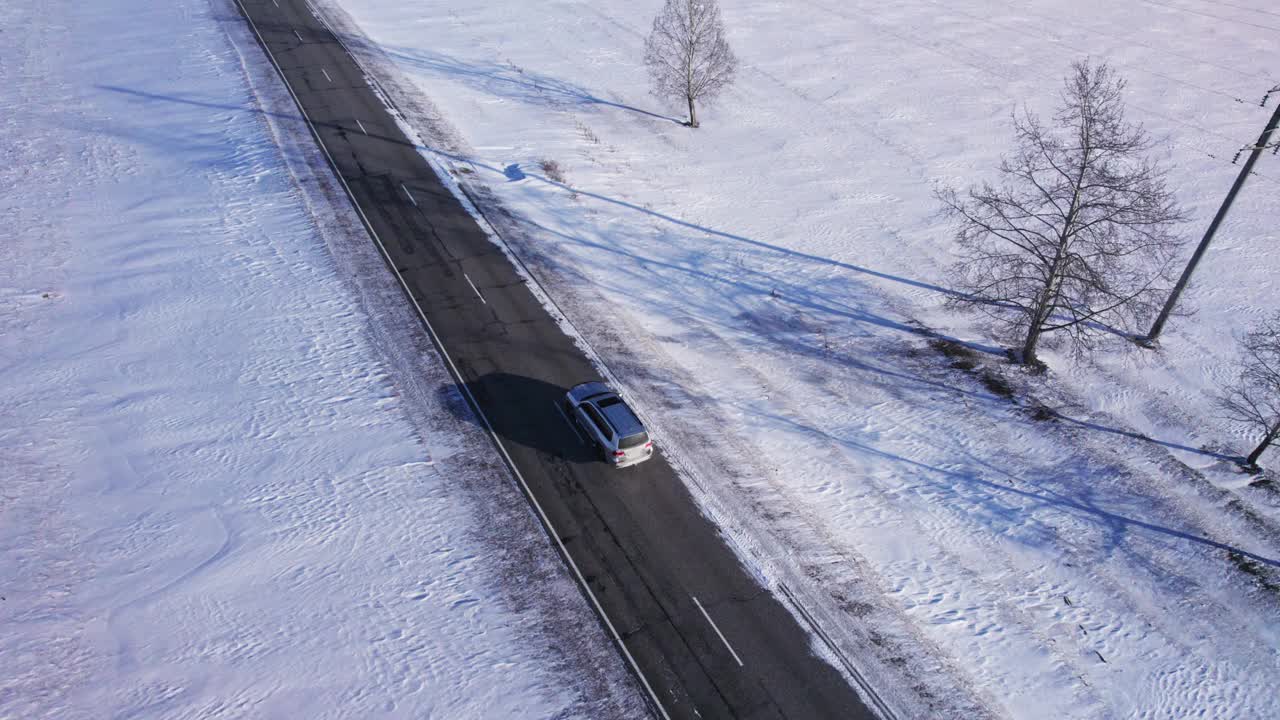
[
  {"x": 228, "y": 487},
  {"x": 758, "y": 284}
]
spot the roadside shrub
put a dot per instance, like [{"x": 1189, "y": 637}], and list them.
[
  {"x": 552, "y": 170},
  {"x": 962, "y": 358}
]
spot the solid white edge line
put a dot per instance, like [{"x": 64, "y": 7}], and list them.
[
  {"x": 406, "y": 192},
  {"x": 502, "y": 450},
  {"x": 475, "y": 289},
  {"x": 717, "y": 629},
  {"x": 326, "y": 74},
  {"x": 366, "y": 132},
  {"x": 572, "y": 425},
  {"x": 872, "y": 696}
]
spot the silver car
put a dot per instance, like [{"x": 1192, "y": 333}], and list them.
[{"x": 607, "y": 420}]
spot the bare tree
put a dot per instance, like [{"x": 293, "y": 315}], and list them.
[
  {"x": 687, "y": 55},
  {"x": 1080, "y": 229},
  {"x": 1254, "y": 400}
]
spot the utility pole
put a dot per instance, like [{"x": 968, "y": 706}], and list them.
[{"x": 1256, "y": 150}]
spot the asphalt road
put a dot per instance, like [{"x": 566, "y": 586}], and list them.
[{"x": 702, "y": 634}]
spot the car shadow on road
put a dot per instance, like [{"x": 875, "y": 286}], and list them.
[{"x": 523, "y": 412}]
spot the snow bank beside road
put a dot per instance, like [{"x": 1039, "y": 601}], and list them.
[
  {"x": 230, "y": 488},
  {"x": 765, "y": 277}
]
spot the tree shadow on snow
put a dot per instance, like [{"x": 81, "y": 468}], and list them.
[
  {"x": 710, "y": 233},
  {"x": 1086, "y": 425},
  {"x": 508, "y": 172},
  {"x": 1033, "y": 494},
  {"x": 511, "y": 82}
]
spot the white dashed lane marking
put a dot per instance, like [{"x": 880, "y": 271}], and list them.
[
  {"x": 717, "y": 629},
  {"x": 475, "y": 289}
]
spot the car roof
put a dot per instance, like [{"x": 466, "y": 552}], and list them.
[
  {"x": 621, "y": 418},
  {"x": 588, "y": 389}
]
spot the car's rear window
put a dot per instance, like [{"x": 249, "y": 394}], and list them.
[
  {"x": 620, "y": 417},
  {"x": 633, "y": 440}
]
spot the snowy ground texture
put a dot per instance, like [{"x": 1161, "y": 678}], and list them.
[
  {"x": 759, "y": 285},
  {"x": 227, "y": 485}
]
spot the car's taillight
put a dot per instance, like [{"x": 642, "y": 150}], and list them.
[
  {"x": 619, "y": 453},
  {"x": 648, "y": 445}
]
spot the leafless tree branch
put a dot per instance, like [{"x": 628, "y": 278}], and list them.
[
  {"x": 687, "y": 54},
  {"x": 1081, "y": 229},
  {"x": 1254, "y": 399}
]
